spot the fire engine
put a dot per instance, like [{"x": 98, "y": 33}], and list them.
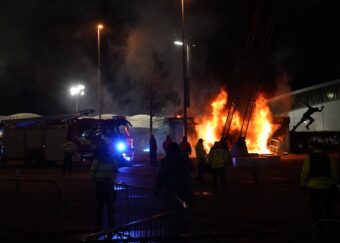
[{"x": 39, "y": 140}]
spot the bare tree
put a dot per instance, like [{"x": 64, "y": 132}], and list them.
[{"x": 153, "y": 102}]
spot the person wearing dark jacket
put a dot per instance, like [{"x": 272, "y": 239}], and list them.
[
  {"x": 186, "y": 150},
  {"x": 153, "y": 151},
  {"x": 174, "y": 176},
  {"x": 166, "y": 143}
]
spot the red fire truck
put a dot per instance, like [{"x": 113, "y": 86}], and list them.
[{"x": 39, "y": 140}]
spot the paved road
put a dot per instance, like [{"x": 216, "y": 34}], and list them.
[{"x": 275, "y": 203}]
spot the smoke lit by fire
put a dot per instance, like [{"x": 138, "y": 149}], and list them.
[{"x": 210, "y": 126}]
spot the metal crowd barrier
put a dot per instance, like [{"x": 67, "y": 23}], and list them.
[
  {"x": 163, "y": 225},
  {"x": 326, "y": 230},
  {"x": 133, "y": 203},
  {"x": 141, "y": 213},
  {"x": 133, "y": 233}
]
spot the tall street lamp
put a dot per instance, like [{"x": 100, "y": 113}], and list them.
[
  {"x": 77, "y": 90},
  {"x": 186, "y": 94},
  {"x": 100, "y": 105}
]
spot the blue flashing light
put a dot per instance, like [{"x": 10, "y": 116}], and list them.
[
  {"x": 146, "y": 150},
  {"x": 121, "y": 146}
]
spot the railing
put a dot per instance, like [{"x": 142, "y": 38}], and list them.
[
  {"x": 329, "y": 231},
  {"x": 163, "y": 225},
  {"x": 134, "y": 203},
  {"x": 143, "y": 213},
  {"x": 132, "y": 233},
  {"x": 130, "y": 203},
  {"x": 274, "y": 146}
]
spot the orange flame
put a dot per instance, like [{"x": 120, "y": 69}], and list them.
[{"x": 210, "y": 126}]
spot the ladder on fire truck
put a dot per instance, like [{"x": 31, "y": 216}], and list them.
[{"x": 24, "y": 122}]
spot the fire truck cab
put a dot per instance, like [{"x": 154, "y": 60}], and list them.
[{"x": 89, "y": 133}]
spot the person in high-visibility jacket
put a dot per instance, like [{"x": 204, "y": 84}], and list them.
[
  {"x": 103, "y": 173},
  {"x": 69, "y": 150},
  {"x": 218, "y": 158},
  {"x": 318, "y": 178}
]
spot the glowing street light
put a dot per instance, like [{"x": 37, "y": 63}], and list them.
[
  {"x": 100, "y": 105},
  {"x": 77, "y": 90},
  {"x": 188, "y": 51}
]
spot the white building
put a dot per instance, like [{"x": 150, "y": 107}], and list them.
[{"x": 326, "y": 125}]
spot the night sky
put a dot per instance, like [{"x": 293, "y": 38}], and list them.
[{"x": 45, "y": 46}]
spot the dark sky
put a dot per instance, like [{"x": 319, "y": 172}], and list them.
[{"x": 45, "y": 46}]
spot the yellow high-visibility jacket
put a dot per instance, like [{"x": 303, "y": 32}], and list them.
[
  {"x": 69, "y": 147},
  {"x": 103, "y": 170},
  {"x": 319, "y": 171},
  {"x": 217, "y": 157}
]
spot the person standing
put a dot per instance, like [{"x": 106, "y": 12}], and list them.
[
  {"x": 69, "y": 150},
  {"x": 103, "y": 173},
  {"x": 174, "y": 176},
  {"x": 153, "y": 151},
  {"x": 185, "y": 149},
  {"x": 166, "y": 143},
  {"x": 201, "y": 160},
  {"x": 318, "y": 178},
  {"x": 218, "y": 158}
]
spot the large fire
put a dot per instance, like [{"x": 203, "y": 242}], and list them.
[{"x": 210, "y": 126}]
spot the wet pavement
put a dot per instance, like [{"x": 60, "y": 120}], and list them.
[{"x": 266, "y": 199}]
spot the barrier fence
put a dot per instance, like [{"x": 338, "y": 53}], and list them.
[{"x": 38, "y": 205}]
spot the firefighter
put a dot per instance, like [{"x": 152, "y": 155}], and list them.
[
  {"x": 217, "y": 159},
  {"x": 69, "y": 151},
  {"x": 103, "y": 173},
  {"x": 319, "y": 178}
]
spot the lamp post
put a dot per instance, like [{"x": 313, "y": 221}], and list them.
[
  {"x": 77, "y": 90},
  {"x": 186, "y": 94},
  {"x": 188, "y": 56},
  {"x": 99, "y": 27}
]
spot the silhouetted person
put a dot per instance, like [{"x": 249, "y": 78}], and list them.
[
  {"x": 174, "y": 175},
  {"x": 307, "y": 116},
  {"x": 239, "y": 149},
  {"x": 185, "y": 149},
  {"x": 153, "y": 151},
  {"x": 103, "y": 173},
  {"x": 166, "y": 143}
]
